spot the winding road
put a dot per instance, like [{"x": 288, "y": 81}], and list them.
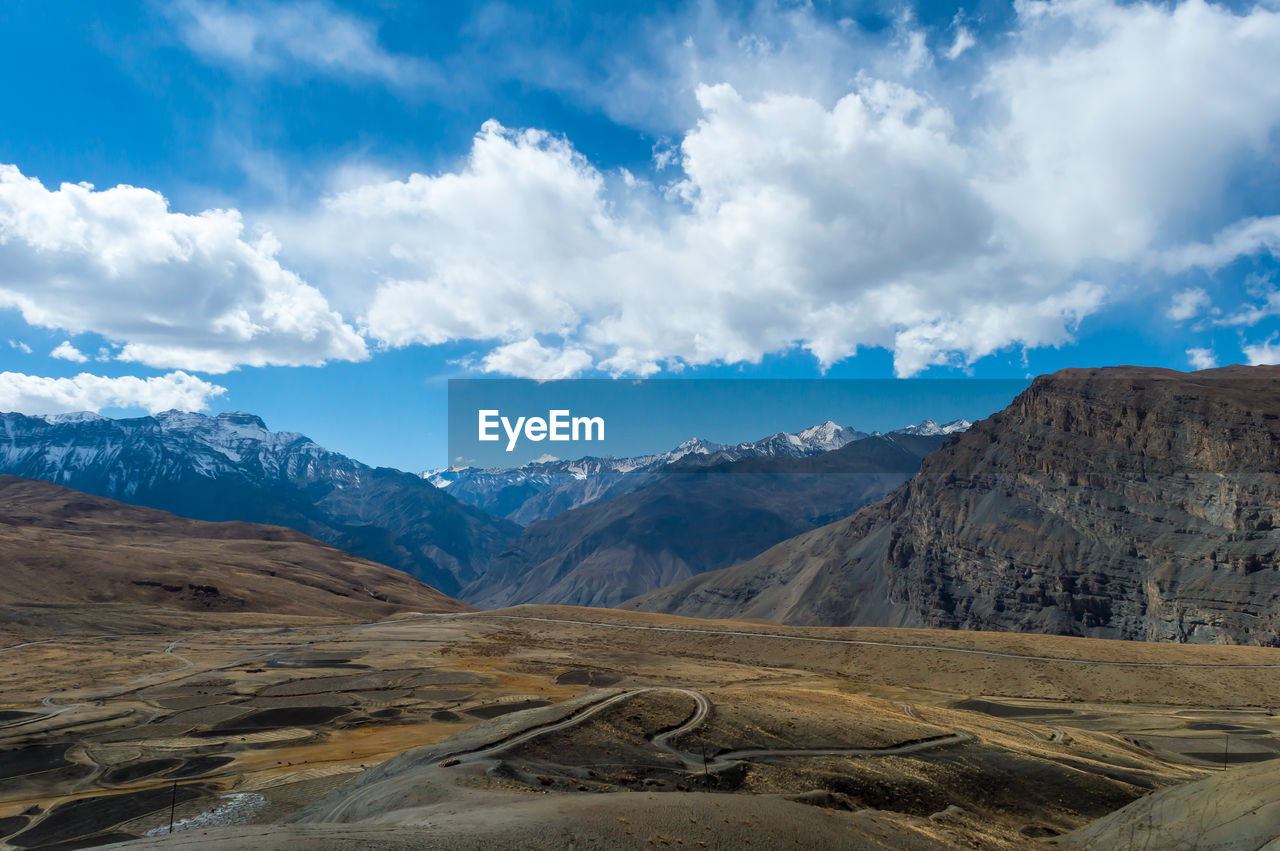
[{"x": 693, "y": 762}]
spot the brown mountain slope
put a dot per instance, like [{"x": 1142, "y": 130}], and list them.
[
  {"x": 1123, "y": 502},
  {"x": 60, "y": 546}
]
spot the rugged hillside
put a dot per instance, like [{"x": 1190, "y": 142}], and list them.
[
  {"x": 1125, "y": 502},
  {"x": 690, "y": 519},
  {"x": 59, "y": 546},
  {"x": 231, "y": 467}
]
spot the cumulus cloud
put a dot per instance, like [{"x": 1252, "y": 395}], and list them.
[
  {"x": 1187, "y": 304},
  {"x": 1123, "y": 122},
  {"x": 33, "y": 394},
  {"x": 873, "y": 208},
  {"x": 178, "y": 291},
  {"x": 20, "y": 346},
  {"x": 793, "y": 225},
  {"x": 66, "y": 351},
  {"x": 531, "y": 359},
  {"x": 822, "y": 194},
  {"x": 275, "y": 37},
  {"x": 1267, "y": 352},
  {"x": 1201, "y": 358}
]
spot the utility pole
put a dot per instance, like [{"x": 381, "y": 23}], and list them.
[
  {"x": 706, "y": 773},
  {"x": 173, "y": 804}
]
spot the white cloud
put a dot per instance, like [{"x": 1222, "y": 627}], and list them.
[
  {"x": 531, "y": 359},
  {"x": 826, "y": 194},
  {"x": 1241, "y": 239},
  {"x": 1187, "y": 304},
  {"x": 20, "y": 346},
  {"x": 33, "y": 394},
  {"x": 1265, "y": 303},
  {"x": 964, "y": 41},
  {"x": 1267, "y": 352},
  {"x": 869, "y": 205},
  {"x": 178, "y": 291},
  {"x": 794, "y": 225},
  {"x": 1201, "y": 358},
  {"x": 66, "y": 351},
  {"x": 276, "y": 37},
  {"x": 1124, "y": 122}
]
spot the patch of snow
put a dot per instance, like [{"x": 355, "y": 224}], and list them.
[
  {"x": 73, "y": 417},
  {"x": 236, "y": 808},
  {"x": 930, "y": 427}
]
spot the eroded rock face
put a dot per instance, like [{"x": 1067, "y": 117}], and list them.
[{"x": 1125, "y": 503}]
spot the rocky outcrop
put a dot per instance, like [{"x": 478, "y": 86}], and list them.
[{"x": 1124, "y": 502}]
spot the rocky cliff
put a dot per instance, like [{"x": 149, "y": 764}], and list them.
[{"x": 1123, "y": 502}]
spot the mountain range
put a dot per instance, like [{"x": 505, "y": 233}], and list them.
[
  {"x": 1121, "y": 503},
  {"x": 698, "y": 513},
  {"x": 231, "y": 467},
  {"x": 541, "y": 490}
]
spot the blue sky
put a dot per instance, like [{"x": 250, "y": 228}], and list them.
[{"x": 320, "y": 211}]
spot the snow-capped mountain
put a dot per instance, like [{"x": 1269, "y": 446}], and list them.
[
  {"x": 827, "y": 436},
  {"x": 929, "y": 428},
  {"x": 539, "y": 491},
  {"x": 232, "y": 467}
]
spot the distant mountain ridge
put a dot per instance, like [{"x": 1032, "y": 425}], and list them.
[
  {"x": 541, "y": 490},
  {"x": 232, "y": 467},
  {"x": 691, "y": 516}
]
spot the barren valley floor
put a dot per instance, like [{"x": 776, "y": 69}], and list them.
[{"x": 554, "y": 726}]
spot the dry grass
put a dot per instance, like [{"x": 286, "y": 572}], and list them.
[{"x": 121, "y": 701}]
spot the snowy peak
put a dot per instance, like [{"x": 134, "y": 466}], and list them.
[
  {"x": 930, "y": 428},
  {"x": 692, "y": 446},
  {"x": 827, "y": 436},
  {"x": 234, "y": 428},
  {"x": 73, "y": 417},
  {"x": 822, "y": 431},
  {"x": 814, "y": 440},
  {"x": 538, "y": 491}
]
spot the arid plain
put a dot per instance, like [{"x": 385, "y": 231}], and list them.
[{"x": 563, "y": 727}]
